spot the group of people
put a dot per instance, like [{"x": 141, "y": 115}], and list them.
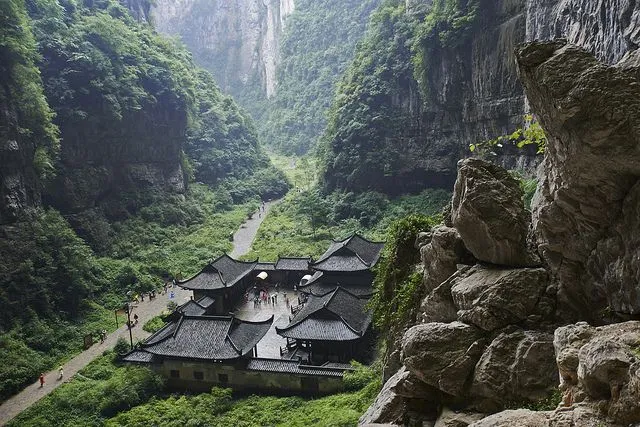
[
  {"x": 266, "y": 296},
  {"x": 60, "y": 375}
]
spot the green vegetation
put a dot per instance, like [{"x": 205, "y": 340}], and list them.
[
  {"x": 317, "y": 45},
  {"x": 21, "y": 90},
  {"x": 294, "y": 228},
  {"x": 397, "y": 286},
  {"x": 112, "y": 82},
  {"x": 99, "y": 391},
  {"x": 531, "y": 134},
  {"x": 104, "y": 388},
  {"x": 358, "y": 153},
  {"x": 548, "y": 403},
  {"x": 447, "y": 25},
  {"x": 154, "y": 325},
  {"x": 49, "y": 274}
]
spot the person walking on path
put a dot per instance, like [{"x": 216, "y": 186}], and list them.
[
  {"x": 60, "y": 373},
  {"x": 42, "y": 380}
]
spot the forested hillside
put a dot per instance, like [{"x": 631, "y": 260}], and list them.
[
  {"x": 318, "y": 44},
  {"x": 103, "y": 123},
  {"x": 428, "y": 80}
]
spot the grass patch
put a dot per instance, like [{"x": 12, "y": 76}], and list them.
[
  {"x": 154, "y": 324},
  {"x": 106, "y": 393}
]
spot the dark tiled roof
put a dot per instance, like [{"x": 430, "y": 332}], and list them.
[
  {"x": 138, "y": 356},
  {"x": 293, "y": 367},
  {"x": 293, "y": 264},
  {"x": 322, "y": 288},
  {"x": 221, "y": 273},
  {"x": 206, "y": 337},
  {"x": 353, "y": 254},
  {"x": 264, "y": 266},
  {"x": 206, "y": 301},
  {"x": 191, "y": 308},
  {"x": 336, "y": 316}
]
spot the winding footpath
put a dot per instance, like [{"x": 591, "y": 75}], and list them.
[{"x": 146, "y": 310}]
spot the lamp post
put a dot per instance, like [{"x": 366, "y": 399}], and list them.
[{"x": 127, "y": 308}]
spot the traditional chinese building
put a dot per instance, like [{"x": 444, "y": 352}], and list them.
[
  {"x": 334, "y": 327},
  {"x": 196, "y": 353},
  {"x": 349, "y": 261},
  {"x": 225, "y": 280}
]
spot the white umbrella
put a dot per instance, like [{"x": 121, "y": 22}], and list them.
[{"x": 262, "y": 275}]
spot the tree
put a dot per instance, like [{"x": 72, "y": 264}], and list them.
[{"x": 313, "y": 206}]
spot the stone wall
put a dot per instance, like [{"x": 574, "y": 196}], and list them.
[{"x": 242, "y": 380}]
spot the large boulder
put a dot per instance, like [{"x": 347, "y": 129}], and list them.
[
  {"x": 585, "y": 209},
  {"x": 577, "y": 416},
  {"x": 441, "y": 251},
  {"x": 492, "y": 298},
  {"x": 513, "y": 418},
  {"x": 601, "y": 364},
  {"x": 450, "y": 418},
  {"x": 516, "y": 367},
  {"x": 398, "y": 396},
  {"x": 488, "y": 211},
  {"x": 443, "y": 354},
  {"x": 438, "y": 305}
]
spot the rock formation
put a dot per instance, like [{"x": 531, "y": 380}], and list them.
[
  {"x": 238, "y": 41},
  {"x": 587, "y": 192},
  {"x": 502, "y": 334},
  {"x": 19, "y": 189}
]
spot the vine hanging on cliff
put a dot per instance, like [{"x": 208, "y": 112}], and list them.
[{"x": 397, "y": 286}]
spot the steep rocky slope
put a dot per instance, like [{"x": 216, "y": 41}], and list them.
[
  {"x": 463, "y": 62},
  {"x": 498, "y": 332},
  {"x": 238, "y": 41},
  {"x": 28, "y": 138}
]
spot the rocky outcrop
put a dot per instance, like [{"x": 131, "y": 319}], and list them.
[
  {"x": 585, "y": 225},
  {"x": 608, "y": 29},
  {"x": 442, "y": 354},
  {"x": 585, "y": 206},
  {"x": 516, "y": 367},
  {"x": 113, "y": 167},
  {"x": 238, "y": 41},
  {"x": 488, "y": 212},
  {"x": 492, "y": 299},
  {"x": 601, "y": 364},
  {"x": 400, "y": 393},
  {"x": 19, "y": 188}
]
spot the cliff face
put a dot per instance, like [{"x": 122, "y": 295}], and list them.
[
  {"x": 470, "y": 89},
  {"x": 608, "y": 28},
  {"x": 238, "y": 40},
  {"x": 495, "y": 329},
  {"x": 19, "y": 189}
]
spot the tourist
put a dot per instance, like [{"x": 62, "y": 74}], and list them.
[
  {"x": 286, "y": 299},
  {"x": 103, "y": 336},
  {"x": 60, "y": 373},
  {"x": 42, "y": 380}
]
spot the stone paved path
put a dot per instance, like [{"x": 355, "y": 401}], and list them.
[
  {"x": 269, "y": 345},
  {"x": 243, "y": 238},
  {"x": 145, "y": 310}
]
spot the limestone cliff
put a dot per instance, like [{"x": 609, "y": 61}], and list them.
[
  {"x": 499, "y": 331},
  {"x": 470, "y": 89},
  {"x": 237, "y": 40}
]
